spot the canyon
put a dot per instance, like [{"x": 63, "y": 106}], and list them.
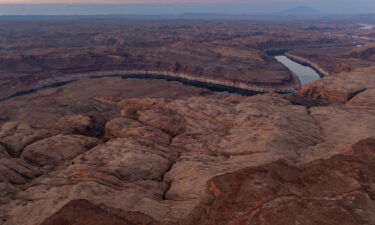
[
  {"x": 102, "y": 150},
  {"x": 41, "y": 53}
]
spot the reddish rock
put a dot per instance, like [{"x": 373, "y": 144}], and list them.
[
  {"x": 326, "y": 192},
  {"x": 177, "y": 154},
  {"x": 15, "y": 136},
  {"x": 124, "y": 159},
  {"x": 131, "y": 106},
  {"x": 55, "y": 150},
  {"x": 17, "y": 171},
  {"x": 168, "y": 181},
  {"x": 340, "y": 88},
  {"x": 3, "y": 153},
  {"x": 164, "y": 119},
  {"x": 365, "y": 98},
  {"x": 129, "y": 128},
  {"x": 82, "y": 212},
  {"x": 81, "y": 124}
]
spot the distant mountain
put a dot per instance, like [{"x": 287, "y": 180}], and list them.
[{"x": 301, "y": 10}]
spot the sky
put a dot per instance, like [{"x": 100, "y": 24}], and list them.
[{"x": 87, "y": 7}]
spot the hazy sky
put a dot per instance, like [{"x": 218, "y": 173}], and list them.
[
  {"x": 134, "y": 1},
  {"x": 178, "y": 6}
]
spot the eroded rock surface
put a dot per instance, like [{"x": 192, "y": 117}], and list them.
[
  {"x": 129, "y": 128},
  {"x": 365, "y": 98},
  {"x": 55, "y": 150},
  {"x": 113, "y": 151},
  {"x": 342, "y": 87},
  {"x": 81, "y": 212},
  {"x": 327, "y": 192},
  {"x": 159, "y": 159},
  {"x": 17, "y": 171},
  {"x": 15, "y": 136},
  {"x": 81, "y": 124},
  {"x": 3, "y": 152},
  {"x": 125, "y": 159}
]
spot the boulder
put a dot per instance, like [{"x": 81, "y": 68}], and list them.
[
  {"x": 252, "y": 142},
  {"x": 365, "y": 98},
  {"x": 81, "y": 124},
  {"x": 129, "y": 128},
  {"x": 125, "y": 160},
  {"x": 51, "y": 152},
  {"x": 17, "y": 171},
  {"x": 165, "y": 119},
  {"x": 16, "y": 136},
  {"x": 340, "y": 88},
  {"x": 3, "y": 153},
  {"x": 326, "y": 192},
  {"x": 82, "y": 212}
]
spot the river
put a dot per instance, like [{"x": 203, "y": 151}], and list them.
[
  {"x": 366, "y": 26},
  {"x": 305, "y": 73}
]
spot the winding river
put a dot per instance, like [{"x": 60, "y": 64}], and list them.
[
  {"x": 366, "y": 26},
  {"x": 305, "y": 73}
]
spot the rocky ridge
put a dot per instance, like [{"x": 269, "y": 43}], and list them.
[
  {"x": 39, "y": 53},
  {"x": 153, "y": 152},
  {"x": 355, "y": 88},
  {"x": 183, "y": 160}
]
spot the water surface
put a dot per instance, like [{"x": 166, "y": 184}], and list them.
[
  {"x": 306, "y": 74},
  {"x": 367, "y": 26}
]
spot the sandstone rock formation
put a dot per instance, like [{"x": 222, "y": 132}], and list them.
[
  {"x": 112, "y": 151},
  {"x": 17, "y": 171},
  {"x": 15, "y": 136},
  {"x": 51, "y": 152},
  {"x": 3, "y": 153},
  {"x": 164, "y": 161},
  {"x": 129, "y": 128},
  {"x": 326, "y": 192},
  {"x": 364, "y": 98},
  {"x": 81, "y": 212},
  {"x": 342, "y": 87},
  {"x": 336, "y": 59},
  {"x": 80, "y": 124},
  {"x": 230, "y": 51},
  {"x": 83, "y": 107}
]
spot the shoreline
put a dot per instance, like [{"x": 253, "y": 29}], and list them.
[
  {"x": 306, "y": 62},
  {"x": 239, "y": 87},
  {"x": 183, "y": 77}
]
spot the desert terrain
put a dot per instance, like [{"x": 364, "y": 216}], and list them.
[
  {"x": 113, "y": 151},
  {"x": 39, "y": 52}
]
